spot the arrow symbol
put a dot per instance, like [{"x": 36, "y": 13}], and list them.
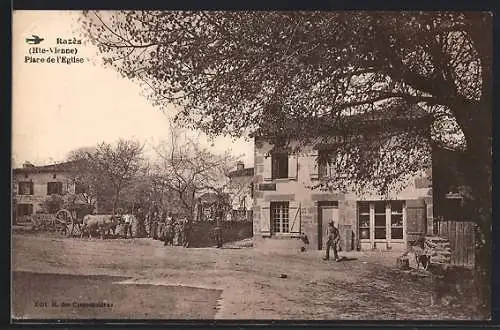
[{"x": 35, "y": 40}]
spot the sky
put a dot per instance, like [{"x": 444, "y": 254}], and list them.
[{"x": 60, "y": 107}]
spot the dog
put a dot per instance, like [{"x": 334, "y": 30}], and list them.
[{"x": 421, "y": 257}]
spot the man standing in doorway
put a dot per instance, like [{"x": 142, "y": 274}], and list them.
[{"x": 333, "y": 238}]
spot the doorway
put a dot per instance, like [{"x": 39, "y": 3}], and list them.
[{"x": 327, "y": 210}]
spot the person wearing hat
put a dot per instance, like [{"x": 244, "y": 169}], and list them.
[{"x": 333, "y": 238}]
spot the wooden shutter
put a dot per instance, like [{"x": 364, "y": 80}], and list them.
[
  {"x": 295, "y": 219},
  {"x": 268, "y": 168},
  {"x": 265, "y": 221},
  {"x": 31, "y": 188},
  {"x": 313, "y": 165},
  {"x": 415, "y": 219},
  {"x": 292, "y": 166}
]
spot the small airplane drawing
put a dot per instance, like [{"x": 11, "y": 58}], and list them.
[{"x": 35, "y": 40}]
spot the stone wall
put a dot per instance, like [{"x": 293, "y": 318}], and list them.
[{"x": 232, "y": 231}]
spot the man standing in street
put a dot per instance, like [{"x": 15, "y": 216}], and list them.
[
  {"x": 218, "y": 233},
  {"x": 186, "y": 233},
  {"x": 333, "y": 238},
  {"x": 127, "y": 219},
  {"x": 177, "y": 232},
  {"x": 169, "y": 231},
  {"x": 154, "y": 226},
  {"x": 161, "y": 224}
]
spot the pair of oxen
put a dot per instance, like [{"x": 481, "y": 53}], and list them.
[{"x": 103, "y": 224}]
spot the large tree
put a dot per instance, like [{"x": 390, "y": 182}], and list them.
[
  {"x": 301, "y": 74},
  {"x": 187, "y": 169},
  {"x": 90, "y": 183},
  {"x": 119, "y": 162}
]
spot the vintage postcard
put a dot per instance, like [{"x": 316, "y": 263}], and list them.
[{"x": 257, "y": 165}]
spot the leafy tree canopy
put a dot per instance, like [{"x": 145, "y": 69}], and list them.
[{"x": 299, "y": 74}]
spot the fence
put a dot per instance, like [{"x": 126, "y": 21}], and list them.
[
  {"x": 462, "y": 240},
  {"x": 202, "y": 232},
  {"x": 242, "y": 215}
]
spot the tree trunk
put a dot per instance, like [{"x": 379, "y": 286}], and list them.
[
  {"x": 115, "y": 201},
  {"x": 477, "y": 171}
]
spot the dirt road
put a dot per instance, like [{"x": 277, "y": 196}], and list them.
[{"x": 367, "y": 287}]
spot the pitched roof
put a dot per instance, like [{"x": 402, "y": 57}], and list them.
[
  {"x": 60, "y": 167},
  {"x": 392, "y": 115},
  {"x": 244, "y": 172}
]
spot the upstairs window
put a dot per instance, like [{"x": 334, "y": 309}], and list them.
[
  {"x": 279, "y": 165},
  {"x": 80, "y": 188},
  {"x": 326, "y": 164},
  {"x": 25, "y": 188},
  {"x": 54, "y": 188}
]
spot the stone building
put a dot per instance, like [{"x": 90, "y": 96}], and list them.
[
  {"x": 285, "y": 205},
  {"x": 33, "y": 184}
]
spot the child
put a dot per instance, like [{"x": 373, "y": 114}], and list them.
[{"x": 305, "y": 240}]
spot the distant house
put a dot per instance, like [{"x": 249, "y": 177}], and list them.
[
  {"x": 210, "y": 206},
  {"x": 33, "y": 184},
  {"x": 241, "y": 189}
]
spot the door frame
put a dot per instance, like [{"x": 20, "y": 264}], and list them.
[{"x": 322, "y": 204}]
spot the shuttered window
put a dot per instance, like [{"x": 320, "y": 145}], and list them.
[
  {"x": 280, "y": 165},
  {"x": 54, "y": 188},
  {"x": 326, "y": 163},
  {"x": 25, "y": 188},
  {"x": 280, "y": 217}
]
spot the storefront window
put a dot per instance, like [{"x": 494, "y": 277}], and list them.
[
  {"x": 396, "y": 220},
  {"x": 373, "y": 220},
  {"x": 364, "y": 220}
]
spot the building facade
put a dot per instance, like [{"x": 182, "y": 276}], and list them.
[
  {"x": 241, "y": 189},
  {"x": 285, "y": 205},
  {"x": 33, "y": 184}
]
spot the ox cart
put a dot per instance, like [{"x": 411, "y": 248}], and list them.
[
  {"x": 63, "y": 222},
  {"x": 68, "y": 222},
  {"x": 48, "y": 222},
  {"x": 72, "y": 221}
]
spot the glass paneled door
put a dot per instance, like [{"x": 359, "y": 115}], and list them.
[{"x": 381, "y": 223}]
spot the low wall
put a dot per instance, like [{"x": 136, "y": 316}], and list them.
[{"x": 202, "y": 232}]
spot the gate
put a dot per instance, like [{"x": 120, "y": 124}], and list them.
[{"x": 462, "y": 240}]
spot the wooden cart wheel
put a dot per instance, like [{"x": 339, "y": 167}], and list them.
[{"x": 64, "y": 222}]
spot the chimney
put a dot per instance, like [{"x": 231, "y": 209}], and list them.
[
  {"x": 27, "y": 164},
  {"x": 240, "y": 166}
]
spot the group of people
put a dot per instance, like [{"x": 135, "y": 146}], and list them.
[
  {"x": 162, "y": 226},
  {"x": 168, "y": 229}
]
